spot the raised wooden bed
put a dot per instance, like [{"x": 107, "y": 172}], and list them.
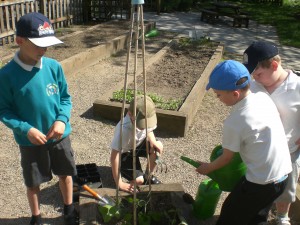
[
  {"x": 88, "y": 206},
  {"x": 89, "y": 57},
  {"x": 175, "y": 123}
]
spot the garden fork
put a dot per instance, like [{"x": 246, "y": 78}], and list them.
[{"x": 160, "y": 163}]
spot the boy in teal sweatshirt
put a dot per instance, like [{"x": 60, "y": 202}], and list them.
[{"x": 36, "y": 105}]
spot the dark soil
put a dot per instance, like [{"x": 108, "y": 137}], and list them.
[
  {"x": 171, "y": 78},
  {"x": 175, "y": 74}
]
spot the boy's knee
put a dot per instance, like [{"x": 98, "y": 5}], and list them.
[
  {"x": 33, "y": 189},
  {"x": 139, "y": 180}
]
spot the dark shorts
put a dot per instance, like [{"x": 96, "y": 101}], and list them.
[
  {"x": 127, "y": 159},
  {"x": 39, "y": 162}
]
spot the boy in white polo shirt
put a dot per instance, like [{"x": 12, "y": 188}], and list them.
[
  {"x": 253, "y": 129},
  {"x": 283, "y": 86},
  {"x": 141, "y": 139}
]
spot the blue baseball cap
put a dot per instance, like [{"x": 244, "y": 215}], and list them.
[
  {"x": 226, "y": 74},
  {"x": 38, "y": 29}
]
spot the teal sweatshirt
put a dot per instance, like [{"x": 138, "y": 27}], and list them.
[{"x": 34, "y": 98}]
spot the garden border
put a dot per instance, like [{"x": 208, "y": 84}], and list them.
[
  {"x": 88, "y": 206},
  {"x": 175, "y": 123},
  {"x": 92, "y": 55}
]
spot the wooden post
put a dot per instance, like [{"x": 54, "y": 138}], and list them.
[
  {"x": 158, "y": 5},
  {"x": 43, "y": 8}
]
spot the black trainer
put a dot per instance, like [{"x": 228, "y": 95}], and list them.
[
  {"x": 35, "y": 220},
  {"x": 153, "y": 180},
  {"x": 35, "y": 223},
  {"x": 72, "y": 219}
]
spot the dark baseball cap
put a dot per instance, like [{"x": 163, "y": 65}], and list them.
[
  {"x": 226, "y": 74},
  {"x": 38, "y": 29},
  {"x": 258, "y": 51}
]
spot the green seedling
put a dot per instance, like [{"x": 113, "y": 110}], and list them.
[
  {"x": 160, "y": 102},
  {"x": 123, "y": 215}
]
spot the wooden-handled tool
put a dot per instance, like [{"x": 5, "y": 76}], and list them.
[{"x": 97, "y": 196}]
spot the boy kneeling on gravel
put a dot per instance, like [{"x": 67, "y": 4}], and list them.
[
  {"x": 141, "y": 138},
  {"x": 254, "y": 130}
]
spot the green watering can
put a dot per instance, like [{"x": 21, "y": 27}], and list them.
[
  {"x": 207, "y": 199},
  {"x": 152, "y": 33},
  {"x": 228, "y": 176}
]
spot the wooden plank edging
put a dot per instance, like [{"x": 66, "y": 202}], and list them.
[
  {"x": 92, "y": 55},
  {"x": 175, "y": 123}
]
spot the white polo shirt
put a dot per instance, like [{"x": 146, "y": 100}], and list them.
[
  {"x": 287, "y": 100},
  {"x": 254, "y": 129},
  {"x": 127, "y": 138}
]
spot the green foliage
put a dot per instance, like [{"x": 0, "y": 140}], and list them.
[
  {"x": 185, "y": 5},
  {"x": 109, "y": 212},
  {"x": 284, "y": 18},
  {"x": 169, "y": 104},
  {"x": 169, "y": 5},
  {"x": 186, "y": 41},
  {"x": 123, "y": 215}
]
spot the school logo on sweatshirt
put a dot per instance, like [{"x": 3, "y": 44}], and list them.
[{"x": 52, "y": 89}]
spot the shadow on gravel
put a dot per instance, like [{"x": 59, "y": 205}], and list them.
[
  {"x": 88, "y": 114},
  {"x": 26, "y": 220},
  {"x": 51, "y": 195},
  {"x": 106, "y": 176}
]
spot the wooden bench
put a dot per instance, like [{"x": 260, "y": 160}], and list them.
[
  {"x": 239, "y": 20},
  {"x": 208, "y": 15}
]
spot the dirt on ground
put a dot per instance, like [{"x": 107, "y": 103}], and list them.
[
  {"x": 172, "y": 77},
  {"x": 175, "y": 74},
  {"x": 91, "y": 138},
  {"x": 76, "y": 38}
]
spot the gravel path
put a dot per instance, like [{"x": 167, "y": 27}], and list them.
[{"x": 91, "y": 139}]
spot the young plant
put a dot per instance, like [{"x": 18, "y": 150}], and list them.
[
  {"x": 170, "y": 104},
  {"x": 145, "y": 216}
]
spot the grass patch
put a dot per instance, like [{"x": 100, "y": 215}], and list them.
[
  {"x": 160, "y": 102},
  {"x": 285, "y": 18}
]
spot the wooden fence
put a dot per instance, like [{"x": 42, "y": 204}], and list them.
[
  {"x": 58, "y": 11},
  {"x": 62, "y": 13}
]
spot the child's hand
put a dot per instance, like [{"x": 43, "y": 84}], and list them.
[
  {"x": 36, "y": 137},
  {"x": 128, "y": 187},
  {"x": 56, "y": 131},
  {"x": 204, "y": 168},
  {"x": 158, "y": 147}
]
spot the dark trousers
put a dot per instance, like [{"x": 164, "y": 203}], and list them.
[
  {"x": 127, "y": 162},
  {"x": 245, "y": 204}
]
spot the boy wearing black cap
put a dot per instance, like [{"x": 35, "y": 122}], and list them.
[
  {"x": 254, "y": 130},
  {"x": 36, "y": 105},
  {"x": 141, "y": 139},
  {"x": 283, "y": 86}
]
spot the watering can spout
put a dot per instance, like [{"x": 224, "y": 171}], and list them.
[
  {"x": 226, "y": 177},
  {"x": 196, "y": 165}
]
